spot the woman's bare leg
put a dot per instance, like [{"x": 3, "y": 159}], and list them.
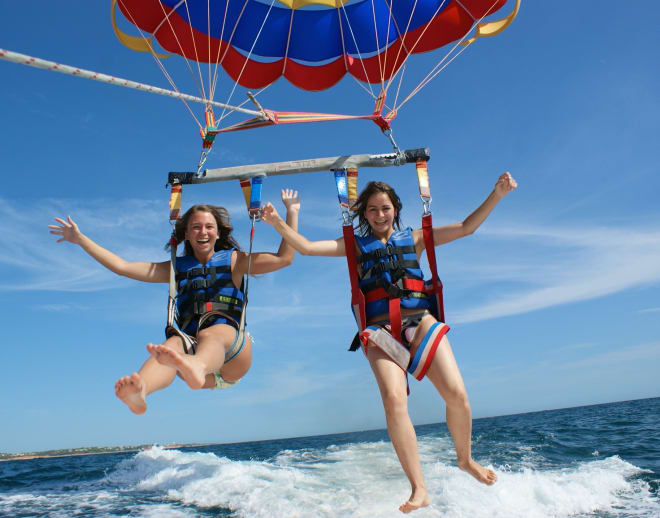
[
  {"x": 212, "y": 343},
  {"x": 393, "y": 391},
  {"x": 447, "y": 379},
  {"x": 152, "y": 376}
]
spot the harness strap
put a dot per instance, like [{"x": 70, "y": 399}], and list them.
[
  {"x": 175, "y": 211},
  {"x": 357, "y": 297},
  {"x": 427, "y": 232},
  {"x": 386, "y": 252},
  {"x": 346, "y": 182},
  {"x": 396, "y": 267},
  {"x": 410, "y": 288}
]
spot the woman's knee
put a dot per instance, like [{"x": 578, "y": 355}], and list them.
[
  {"x": 395, "y": 402},
  {"x": 456, "y": 396}
]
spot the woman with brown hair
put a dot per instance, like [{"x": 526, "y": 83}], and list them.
[
  {"x": 387, "y": 259},
  {"x": 207, "y": 351}
]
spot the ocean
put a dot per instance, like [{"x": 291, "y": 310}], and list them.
[{"x": 600, "y": 461}]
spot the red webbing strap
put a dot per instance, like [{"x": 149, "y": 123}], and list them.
[
  {"x": 427, "y": 231},
  {"x": 380, "y": 293},
  {"x": 395, "y": 319},
  {"x": 357, "y": 297}
]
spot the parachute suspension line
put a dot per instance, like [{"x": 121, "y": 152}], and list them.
[
  {"x": 192, "y": 39},
  {"x": 398, "y": 88},
  {"x": 217, "y": 58},
  {"x": 380, "y": 61},
  {"x": 441, "y": 65},
  {"x": 288, "y": 41},
  {"x": 227, "y": 112},
  {"x": 157, "y": 57},
  {"x": 410, "y": 51},
  {"x": 433, "y": 73},
  {"x": 402, "y": 47},
  {"x": 208, "y": 45},
  {"x": 350, "y": 28},
  {"x": 247, "y": 58},
  {"x": 401, "y": 70},
  {"x": 343, "y": 49},
  {"x": 166, "y": 18}
]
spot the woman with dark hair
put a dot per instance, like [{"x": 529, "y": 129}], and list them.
[
  {"x": 386, "y": 255},
  {"x": 207, "y": 351}
]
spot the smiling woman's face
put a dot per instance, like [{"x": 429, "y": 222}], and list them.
[
  {"x": 380, "y": 214},
  {"x": 202, "y": 233}
]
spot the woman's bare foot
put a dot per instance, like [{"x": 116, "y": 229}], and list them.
[
  {"x": 131, "y": 391},
  {"x": 417, "y": 500},
  {"x": 191, "y": 372},
  {"x": 483, "y": 475}
]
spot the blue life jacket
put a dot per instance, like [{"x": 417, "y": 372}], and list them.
[
  {"x": 203, "y": 288},
  {"x": 391, "y": 270}
]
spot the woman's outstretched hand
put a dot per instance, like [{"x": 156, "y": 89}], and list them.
[
  {"x": 68, "y": 230},
  {"x": 505, "y": 184},
  {"x": 290, "y": 199}
]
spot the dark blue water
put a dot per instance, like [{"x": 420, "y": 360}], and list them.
[{"x": 595, "y": 461}]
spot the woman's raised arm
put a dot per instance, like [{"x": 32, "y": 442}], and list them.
[
  {"x": 444, "y": 234},
  {"x": 141, "y": 271},
  {"x": 330, "y": 248}
]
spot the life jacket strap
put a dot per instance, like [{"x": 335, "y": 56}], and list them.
[
  {"x": 386, "y": 252},
  {"x": 390, "y": 266}
]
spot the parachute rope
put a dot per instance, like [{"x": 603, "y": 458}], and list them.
[
  {"x": 217, "y": 56},
  {"x": 441, "y": 65},
  {"x": 192, "y": 37},
  {"x": 350, "y": 28},
  {"x": 419, "y": 38},
  {"x": 380, "y": 60},
  {"x": 247, "y": 58},
  {"x": 402, "y": 47},
  {"x": 157, "y": 57},
  {"x": 369, "y": 90},
  {"x": 166, "y": 18},
  {"x": 288, "y": 40}
]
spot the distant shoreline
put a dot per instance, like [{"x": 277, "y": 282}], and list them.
[{"x": 104, "y": 451}]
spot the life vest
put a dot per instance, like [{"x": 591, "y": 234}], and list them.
[
  {"x": 390, "y": 271},
  {"x": 391, "y": 279},
  {"x": 203, "y": 288}
]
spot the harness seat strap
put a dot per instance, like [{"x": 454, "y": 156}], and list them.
[{"x": 427, "y": 232}]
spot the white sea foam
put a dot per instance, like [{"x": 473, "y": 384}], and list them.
[
  {"x": 365, "y": 480},
  {"x": 357, "y": 480}
]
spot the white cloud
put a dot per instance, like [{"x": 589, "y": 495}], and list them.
[
  {"x": 517, "y": 268},
  {"x": 561, "y": 265},
  {"x": 649, "y": 310}
]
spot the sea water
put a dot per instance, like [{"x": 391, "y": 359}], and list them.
[{"x": 600, "y": 461}]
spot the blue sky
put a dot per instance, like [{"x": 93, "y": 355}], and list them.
[{"x": 554, "y": 302}]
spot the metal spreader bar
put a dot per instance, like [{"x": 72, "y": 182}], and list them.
[{"x": 300, "y": 166}]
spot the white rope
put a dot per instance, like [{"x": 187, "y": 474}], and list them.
[
  {"x": 350, "y": 28},
  {"x": 441, "y": 65},
  {"x": 263, "y": 24}
]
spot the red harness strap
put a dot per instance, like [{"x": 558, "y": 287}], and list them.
[
  {"x": 408, "y": 284},
  {"x": 427, "y": 232},
  {"x": 357, "y": 297}
]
